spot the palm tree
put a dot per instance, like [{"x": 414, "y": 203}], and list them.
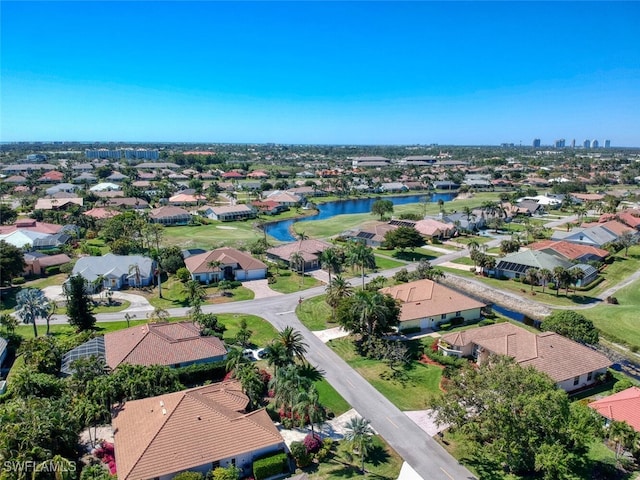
[
  {"x": 195, "y": 292},
  {"x": 623, "y": 435},
  {"x": 309, "y": 407},
  {"x": 574, "y": 275},
  {"x": 532, "y": 276},
  {"x": 296, "y": 260},
  {"x": 545, "y": 277},
  {"x": 330, "y": 259},
  {"x": 293, "y": 342},
  {"x": 370, "y": 311},
  {"x": 276, "y": 355},
  {"x": 135, "y": 271},
  {"x": 31, "y": 304},
  {"x": 234, "y": 359},
  {"x": 358, "y": 434},
  {"x": 560, "y": 277},
  {"x": 361, "y": 255},
  {"x": 158, "y": 314},
  {"x": 213, "y": 264},
  {"x": 337, "y": 291}
]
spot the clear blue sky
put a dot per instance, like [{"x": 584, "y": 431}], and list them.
[{"x": 321, "y": 72}]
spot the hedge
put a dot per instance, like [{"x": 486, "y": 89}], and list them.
[
  {"x": 410, "y": 330},
  {"x": 18, "y": 281},
  {"x": 444, "y": 326},
  {"x": 53, "y": 270},
  {"x": 199, "y": 373},
  {"x": 270, "y": 466}
]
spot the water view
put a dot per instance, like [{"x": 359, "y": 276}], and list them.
[{"x": 282, "y": 230}]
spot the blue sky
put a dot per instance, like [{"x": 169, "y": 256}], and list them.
[{"x": 320, "y": 72}]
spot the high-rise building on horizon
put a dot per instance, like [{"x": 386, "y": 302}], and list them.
[
  {"x": 595, "y": 144},
  {"x": 573, "y": 143},
  {"x": 587, "y": 143},
  {"x": 607, "y": 144},
  {"x": 559, "y": 143},
  {"x": 536, "y": 143}
]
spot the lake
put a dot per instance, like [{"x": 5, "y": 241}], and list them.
[{"x": 281, "y": 230}]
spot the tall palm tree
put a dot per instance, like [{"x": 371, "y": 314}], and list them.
[
  {"x": 309, "y": 407},
  {"x": 532, "y": 276},
  {"x": 195, "y": 292},
  {"x": 330, "y": 259},
  {"x": 276, "y": 355},
  {"x": 31, "y": 304},
  {"x": 574, "y": 275},
  {"x": 296, "y": 260},
  {"x": 560, "y": 276},
  {"x": 137, "y": 275},
  {"x": 361, "y": 255},
  {"x": 293, "y": 342},
  {"x": 337, "y": 291},
  {"x": 358, "y": 434},
  {"x": 370, "y": 311},
  {"x": 213, "y": 264},
  {"x": 545, "y": 276}
]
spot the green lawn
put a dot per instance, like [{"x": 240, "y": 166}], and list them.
[
  {"x": 315, "y": 314},
  {"x": 173, "y": 295},
  {"x": 293, "y": 283},
  {"x": 384, "y": 263},
  {"x": 383, "y": 463},
  {"x": 331, "y": 399},
  {"x": 217, "y": 234},
  {"x": 466, "y": 240},
  {"x": 47, "y": 281},
  {"x": 409, "y": 255},
  {"x": 620, "y": 323},
  {"x": 412, "y": 389}
]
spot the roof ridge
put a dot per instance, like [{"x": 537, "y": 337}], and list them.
[
  {"x": 155, "y": 435},
  {"x": 249, "y": 417},
  {"x": 122, "y": 360}
]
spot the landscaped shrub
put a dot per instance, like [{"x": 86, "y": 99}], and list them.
[
  {"x": 410, "y": 330},
  {"x": 53, "y": 270},
  {"x": 444, "y": 326},
  {"x": 401, "y": 276},
  {"x": 189, "y": 476},
  {"x": 221, "y": 473},
  {"x": 300, "y": 454},
  {"x": 201, "y": 372},
  {"x": 286, "y": 273},
  {"x": 18, "y": 281},
  {"x": 325, "y": 450},
  {"x": 183, "y": 274},
  {"x": 312, "y": 443},
  {"x": 106, "y": 454},
  {"x": 67, "y": 267},
  {"x": 485, "y": 322},
  {"x": 456, "y": 321},
  {"x": 270, "y": 466}
]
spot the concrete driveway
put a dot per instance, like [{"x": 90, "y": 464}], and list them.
[
  {"x": 139, "y": 305},
  {"x": 260, "y": 288}
]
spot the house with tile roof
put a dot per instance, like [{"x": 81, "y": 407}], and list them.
[
  {"x": 571, "y": 251},
  {"x": 197, "y": 429},
  {"x": 426, "y": 304},
  {"x": 170, "y": 215},
  {"x": 597, "y": 236},
  {"x": 36, "y": 262},
  {"x": 570, "y": 365},
  {"x": 623, "y": 406},
  {"x": 174, "y": 344},
  {"x": 57, "y": 203},
  {"x": 187, "y": 199},
  {"x": 230, "y": 213},
  {"x": 115, "y": 271},
  {"x": 372, "y": 235},
  {"x": 309, "y": 249},
  {"x": 225, "y": 264},
  {"x": 52, "y": 176},
  {"x": 285, "y": 199},
  {"x": 516, "y": 264}
]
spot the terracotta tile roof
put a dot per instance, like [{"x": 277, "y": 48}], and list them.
[
  {"x": 425, "y": 298},
  {"x": 168, "y": 211},
  {"x": 160, "y": 344},
  {"x": 623, "y": 406},
  {"x": 614, "y": 226},
  {"x": 571, "y": 251},
  {"x": 548, "y": 352},
  {"x": 101, "y": 213},
  {"x": 239, "y": 208},
  {"x": 226, "y": 256},
  {"x": 32, "y": 225},
  {"x": 166, "y": 434},
  {"x": 430, "y": 227},
  {"x": 629, "y": 219},
  {"x": 309, "y": 249},
  {"x": 186, "y": 198}
]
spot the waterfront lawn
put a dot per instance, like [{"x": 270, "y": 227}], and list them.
[
  {"x": 330, "y": 398},
  {"x": 411, "y": 388},
  {"x": 619, "y": 323},
  {"x": 315, "y": 314},
  {"x": 293, "y": 283}
]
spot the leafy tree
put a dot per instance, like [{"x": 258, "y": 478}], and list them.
[
  {"x": 244, "y": 334},
  {"x": 7, "y": 214},
  {"x": 171, "y": 259},
  {"x": 509, "y": 246},
  {"x": 424, "y": 270},
  {"x": 27, "y": 382},
  {"x": 623, "y": 435},
  {"x": 96, "y": 472},
  {"x": 210, "y": 326},
  {"x": 31, "y": 304},
  {"x": 158, "y": 314},
  {"x": 8, "y": 322},
  {"x": 402, "y": 238},
  {"x": 517, "y": 417},
  {"x": 252, "y": 382},
  {"x": 183, "y": 274},
  {"x": 42, "y": 354},
  {"x": 369, "y": 314},
  {"x": 359, "y": 436},
  {"x": 572, "y": 325},
  {"x": 79, "y": 305},
  {"x": 382, "y": 207},
  {"x": 627, "y": 240},
  {"x": 11, "y": 262}
]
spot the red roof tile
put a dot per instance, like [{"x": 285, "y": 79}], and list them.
[{"x": 623, "y": 406}]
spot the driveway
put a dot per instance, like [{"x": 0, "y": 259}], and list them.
[
  {"x": 139, "y": 305},
  {"x": 260, "y": 289}
]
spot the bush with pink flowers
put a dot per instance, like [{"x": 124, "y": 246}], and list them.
[
  {"x": 312, "y": 442},
  {"x": 105, "y": 452}
]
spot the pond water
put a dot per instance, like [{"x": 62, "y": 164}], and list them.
[{"x": 281, "y": 230}]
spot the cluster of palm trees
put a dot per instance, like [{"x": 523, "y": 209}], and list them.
[
  {"x": 562, "y": 277},
  {"x": 479, "y": 257}
]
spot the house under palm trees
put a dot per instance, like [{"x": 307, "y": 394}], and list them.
[
  {"x": 115, "y": 271},
  {"x": 308, "y": 250}
]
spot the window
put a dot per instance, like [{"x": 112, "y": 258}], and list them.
[
  {"x": 457, "y": 314},
  {"x": 589, "y": 376},
  {"x": 215, "y": 465},
  {"x": 443, "y": 316},
  {"x": 576, "y": 380}
]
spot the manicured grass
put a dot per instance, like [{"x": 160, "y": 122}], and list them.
[
  {"x": 293, "y": 283},
  {"x": 315, "y": 314},
  {"x": 620, "y": 323},
  {"x": 59, "y": 330},
  {"x": 463, "y": 261},
  {"x": 411, "y": 389},
  {"x": 382, "y": 463},
  {"x": 173, "y": 295},
  {"x": 262, "y": 331},
  {"x": 47, "y": 282},
  {"x": 466, "y": 240},
  {"x": 409, "y": 255},
  {"x": 331, "y": 399},
  {"x": 215, "y": 235},
  {"x": 384, "y": 263}
]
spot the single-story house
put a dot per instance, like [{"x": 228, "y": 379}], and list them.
[
  {"x": 268, "y": 207},
  {"x": 23, "y": 238},
  {"x": 571, "y": 365},
  {"x": 57, "y": 203},
  {"x": 284, "y": 198},
  {"x": 596, "y": 236},
  {"x": 446, "y": 185},
  {"x": 115, "y": 271},
  {"x": 372, "y": 235},
  {"x": 37, "y": 262},
  {"x": 393, "y": 187},
  {"x": 105, "y": 187},
  {"x": 85, "y": 178},
  {"x": 623, "y": 406},
  {"x": 464, "y": 222},
  {"x": 425, "y": 304},
  {"x": 52, "y": 176},
  {"x": 31, "y": 225},
  {"x": 100, "y": 213},
  {"x": 187, "y": 199},
  {"x": 571, "y": 251},
  {"x": 225, "y": 264},
  {"x": 61, "y": 187},
  {"x": 309, "y": 250},
  {"x": 128, "y": 202},
  {"x": 429, "y": 227},
  {"x": 170, "y": 215},
  {"x": 197, "y": 429},
  {"x": 230, "y": 213},
  {"x": 515, "y": 265},
  {"x": 54, "y": 240}
]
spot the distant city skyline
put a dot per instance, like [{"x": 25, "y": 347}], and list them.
[{"x": 449, "y": 73}]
